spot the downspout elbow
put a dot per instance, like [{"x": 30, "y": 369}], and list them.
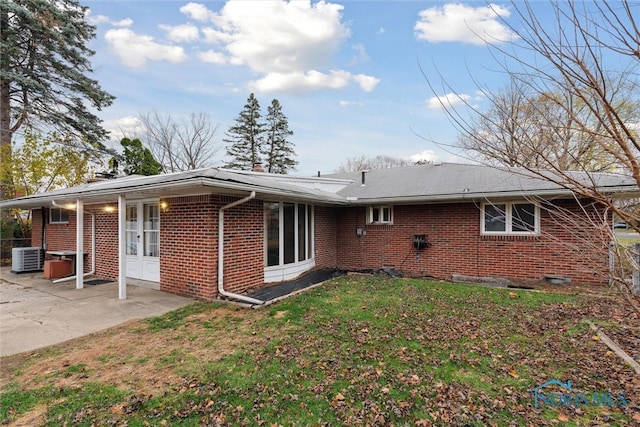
[{"x": 221, "y": 289}]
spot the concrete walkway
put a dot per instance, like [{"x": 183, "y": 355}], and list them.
[{"x": 35, "y": 313}]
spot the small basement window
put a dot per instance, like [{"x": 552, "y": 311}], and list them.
[
  {"x": 58, "y": 216},
  {"x": 379, "y": 215},
  {"x": 510, "y": 218}
]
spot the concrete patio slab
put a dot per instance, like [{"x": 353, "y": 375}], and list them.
[{"x": 35, "y": 313}]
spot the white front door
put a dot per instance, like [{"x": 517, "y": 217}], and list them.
[{"x": 143, "y": 241}]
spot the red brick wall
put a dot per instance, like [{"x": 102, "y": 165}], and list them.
[
  {"x": 36, "y": 227},
  {"x": 457, "y": 247},
  {"x": 106, "y": 242},
  {"x": 244, "y": 246},
  {"x": 61, "y": 237},
  {"x": 325, "y": 237},
  {"x": 188, "y": 247},
  {"x": 188, "y": 244}
]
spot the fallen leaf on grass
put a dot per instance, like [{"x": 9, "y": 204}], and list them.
[{"x": 513, "y": 295}]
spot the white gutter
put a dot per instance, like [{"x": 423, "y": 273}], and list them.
[
  {"x": 221, "y": 290},
  {"x": 177, "y": 186}
]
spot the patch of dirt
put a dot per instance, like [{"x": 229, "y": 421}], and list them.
[
  {"x": 121, "y": 355},
  {"x": 34, "y": 417}
]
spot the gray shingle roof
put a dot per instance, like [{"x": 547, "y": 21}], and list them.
[
  {"x": 450, "y": 181},
  {"x": 414, "y": 184},
  {"x": 200, "y": 181}
]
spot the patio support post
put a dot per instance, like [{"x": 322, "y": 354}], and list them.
[
  {"x": 122, "y": 247},
  {"x": 79, "y": 244}
]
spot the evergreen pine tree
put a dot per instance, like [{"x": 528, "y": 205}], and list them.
[
  {"x": 44, "y": 71},
  {"x": 277, "y": 149},
  {"x": 246, "y": 137},
  {"x": 44, "y": 76}
]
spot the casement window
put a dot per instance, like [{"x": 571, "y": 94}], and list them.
[
  {"x": 58, "y": 216},
  {"x": 379, "y": 215},
  {"x": 288, "y": 233},
  {"x": 510, "y": 218}
]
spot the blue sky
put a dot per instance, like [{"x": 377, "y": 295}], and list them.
[{"x": 347, "y": 73}]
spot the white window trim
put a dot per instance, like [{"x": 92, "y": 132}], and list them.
[
  {"x": 280, "y": 272},
  {"x": 51, "y": 221},
  {"x": 509, "y": 220},
  {"x": 381, "y": 207}
]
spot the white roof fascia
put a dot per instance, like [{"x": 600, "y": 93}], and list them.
[
  {"x": 88, "y": 193},
  {"x": 470, "y": 197}
]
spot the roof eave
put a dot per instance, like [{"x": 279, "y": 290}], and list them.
[
  {"x": 475, "y": 197},
  {"x": 165, "y": 189}
]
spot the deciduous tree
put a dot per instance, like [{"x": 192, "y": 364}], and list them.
[
  {"x": 41, "y": 164},
  {"x": 524, "y": 128},
  {"x": 362, "y": 162},
  {"x": 588, "y": 53},
  {"x": 181, "y": 145}
]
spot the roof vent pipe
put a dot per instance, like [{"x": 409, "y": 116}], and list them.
[{"x": 364, "y": 174}]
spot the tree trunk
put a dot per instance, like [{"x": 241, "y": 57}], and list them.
[{"x": 6, "y": 190}]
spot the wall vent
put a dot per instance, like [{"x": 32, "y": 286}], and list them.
[{"x": 24, "y": 260}]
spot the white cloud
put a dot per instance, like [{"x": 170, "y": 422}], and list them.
[
  {"x": 448, "y": 100},
  {"x": 124, "y": 127},
  {"x": 103, "y": 19},
  {"x": 96, "y": 20},
  {"x": 287, "y": 43},
  {"x": 381, "y": 31},
  {"x": 367, "y": 83},
  {"x": 301, "y": 82},
  {"x": 361, "y": 54},
  {"x": 213, "y": 57},
  {"x": 135, "y": 50},
  {"x": 197, "y": 11},
  {"x": 126, "y": 22},
  {"x": 344, "y": 103},
  {"x": 462, "y": 23},
  {"x": 424, "y": 155},
  {"x": 182, "y": 33}
]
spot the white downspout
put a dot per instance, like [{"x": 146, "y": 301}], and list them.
[
  {"x": 221, "y": 290},
  {"x": 93, "y": 249}
]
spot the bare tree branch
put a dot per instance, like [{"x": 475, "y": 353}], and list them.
[{"x": 181, "y": 145}]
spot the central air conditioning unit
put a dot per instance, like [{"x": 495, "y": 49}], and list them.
[{"x": 24, "y": 260}]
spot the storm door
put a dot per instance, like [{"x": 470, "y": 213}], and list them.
[{"x": 143, "y": 241}]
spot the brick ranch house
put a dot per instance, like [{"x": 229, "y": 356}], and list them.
[{"x": 217, "y": 233}]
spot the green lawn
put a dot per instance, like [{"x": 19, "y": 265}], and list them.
[
  {"x": 359, "y": 350},
  {"x": 627, "y": 237}
]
